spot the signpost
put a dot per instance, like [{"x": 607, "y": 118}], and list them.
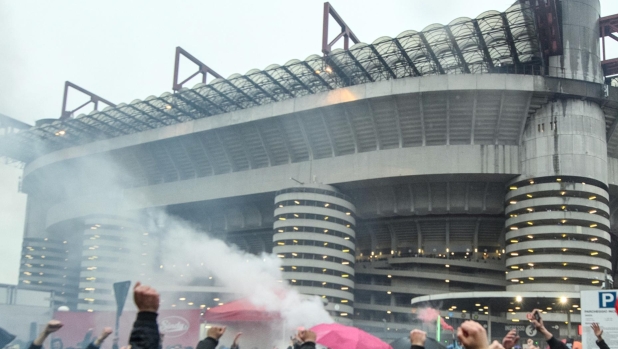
[
  {"x": 599, "y": 306},
  {"x": 121, "y": 290}
]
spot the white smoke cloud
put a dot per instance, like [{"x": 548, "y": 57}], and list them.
[{"x": 255, "y": 277}]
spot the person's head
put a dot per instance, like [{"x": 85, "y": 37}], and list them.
[
  {"x": 56, "y": 343},
  {"x": 530, "y": 341}
]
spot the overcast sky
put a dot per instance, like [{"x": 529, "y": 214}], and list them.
[{"x": 123, "y": 50}]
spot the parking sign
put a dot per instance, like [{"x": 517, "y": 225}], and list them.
[
  {"x": 599, "y": 306},
  {"x": 607, "y": 299}
]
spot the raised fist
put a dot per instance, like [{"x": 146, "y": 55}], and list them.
[
  {"x": 418, "y": 337},
  {"x": 106, "y": 332},
  {"x": 53, "y": 326},
  {"x": 307, "y": 336},
  {"x": 215, "y": 332},
  {"x": 510, "y": 339},
  {"x": 472, "y": 335},
  {"x": 146, "y": 298}
]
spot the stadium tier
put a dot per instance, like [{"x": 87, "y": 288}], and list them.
[{"x": 471, "y": 167}]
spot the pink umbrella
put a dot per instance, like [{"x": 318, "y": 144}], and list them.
[{"x": 336, "y": 336}]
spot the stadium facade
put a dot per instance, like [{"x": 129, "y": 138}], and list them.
[{"x": 471, "y": 167}]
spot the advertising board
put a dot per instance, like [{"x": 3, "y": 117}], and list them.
[{"x": 599, "y": 306}]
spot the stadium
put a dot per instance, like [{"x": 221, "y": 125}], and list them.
[{"x": 470, "y": 167}]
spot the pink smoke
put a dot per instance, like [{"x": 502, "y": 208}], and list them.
[
  {"x": 446, "y": 326},
  {"x": 430, "y": 315}
]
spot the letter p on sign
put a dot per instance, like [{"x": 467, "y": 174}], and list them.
[{"x": 607, "y": 299}]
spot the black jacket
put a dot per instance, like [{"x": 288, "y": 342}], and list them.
[
  {"x": 207, "y": 343},
  {"x": 602, "y": 344},
  {"x": 556, "y": 344},
  {"x": 92, "y": 346},
  {"x": 307, "y": 345},
  {"x": 145, "y": 332}
]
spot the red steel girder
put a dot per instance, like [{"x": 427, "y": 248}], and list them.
[
  {"x": 610, "y": 67},
  {"x": 95, "y": 99},
  {"x": 608, "y": 28},
  {"x": 346, "y": 32},
  {"x": 203, "y": 69},
  {"x": 548, "y": 25}
]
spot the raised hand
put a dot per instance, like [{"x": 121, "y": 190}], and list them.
[
  {"x": 597, "y": 330},
  {"x": 307, "y": 336},
  {"x": 510, "y": 339},
  {"x": 104, "y": 334},
  {"x": 215, "y": 332},
  {"x": 236, "y": 338},
  {"x": 53, "y": 326},
  {"x": 537, "y": 323},
  {"x": 472, "y": 335},
  {"x": 418, "y": 337},
  {"x": 146, "y": 298}
]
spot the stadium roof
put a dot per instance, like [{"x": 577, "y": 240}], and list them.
[{"x": 493, "y": 42}]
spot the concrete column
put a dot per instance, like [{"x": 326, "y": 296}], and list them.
[
  {"x": 565, "y": 138},
  {"x": 580, "y": 37},
  {"x": 51, "y": 265},
  {"x": 114, "y": 249},
  {"x": 316, "y": 241},
  {"x": 557, "y": 225}
]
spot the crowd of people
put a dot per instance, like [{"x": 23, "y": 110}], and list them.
[{"x": 145, "y": 332}]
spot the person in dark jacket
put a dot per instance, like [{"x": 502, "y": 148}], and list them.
[
  {"x": 417, "y": 339},
  {"x": 472, "y": 335},
  {"x": 145, "y": 332},
  {"x": 212, "y": 338},
  {"x": 308, "y": 338},
  {"x": 553, "y": 342},
  {"x": 51, "y": 327},
  {"x": 599, "y": 333}
]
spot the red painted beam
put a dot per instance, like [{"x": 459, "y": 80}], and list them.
[
  {"x": 610, "y": 67},
  {"x": 346, "y": 33},
  {"x": 609, "y": 23},
  {"x": 608, "y": 26}
]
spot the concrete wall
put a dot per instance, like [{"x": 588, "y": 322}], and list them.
[
  {"x": 566, "y": 137},
  {"x": 392, "y": 163},
  {"x": 580, "y": 31}
]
